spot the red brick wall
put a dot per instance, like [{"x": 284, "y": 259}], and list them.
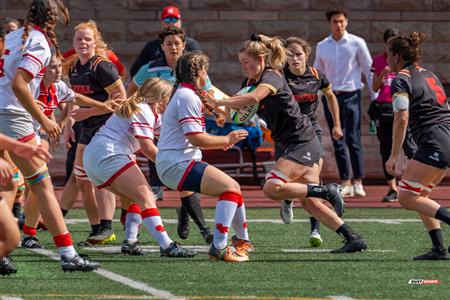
[{"x": 220, "y": 26}]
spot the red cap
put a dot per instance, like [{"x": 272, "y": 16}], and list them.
[{"x": 170, "y": 11}]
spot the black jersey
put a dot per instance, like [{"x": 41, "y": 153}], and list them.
[
  {"x": 281, "y": 113},
  {"x": 428, "y": 103},
  {"x": 94, "y": 79},
  {"x": 305, "y": 89}
]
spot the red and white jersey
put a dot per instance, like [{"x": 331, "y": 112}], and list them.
[
  {"x": 121, "y": 135},
  {"x": 183, "y": 116},
  {"x": 35, "y": 56},
  {"x": 56, "y": 93}
]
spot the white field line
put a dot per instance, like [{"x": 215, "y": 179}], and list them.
[
  {"x": 137, "y": 285},
  {"x": 277, "y": 221},
  {"x": 147, "y": 248},
  {"x": 339, "y": 298},
  {"x": 10, "y": 298},
  {"x": 328, "y": 250}
]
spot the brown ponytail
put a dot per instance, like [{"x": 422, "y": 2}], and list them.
[
  {"x": 408, "y": 47},
  {"x": 187, "y": 70},
  {"x": 44, "y": 13}
]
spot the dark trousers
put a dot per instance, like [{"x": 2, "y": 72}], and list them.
[
  {"x": 384, "y": 134},
  {"x": 350, "y": 143}
]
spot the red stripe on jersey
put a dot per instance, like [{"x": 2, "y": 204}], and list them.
[
  {"x": 34, "y": 59},
  {"x": 193, "y": 132},
  {"x": 27, "y": 71},
  {"x": 26, "y": 138},
  {"x": 143, "y": 137},
  {"x": 191, "y": 119}
]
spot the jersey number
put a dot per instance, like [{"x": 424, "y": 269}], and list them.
[
  {"x": 440, "y": 94},
  {"x": 2, "y": 73}
]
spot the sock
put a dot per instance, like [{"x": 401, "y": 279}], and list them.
[
  {"x": 152, "y": 221},
  {"x": 192, "y": 205},
  {"x": 240, "y": 222},
  {"x": 287, "y": 201},
  {"x": 132, "y": 221},
  {"x": 95, "y": 228},
  {"x": 443, "y": 215},
  {"x": 65, "y": 245},
  {"x": 28, "y": 231},
  {"x": 16, "y": 209},
  {"x": 346, "y": 232},
  {"x": 316, "y": 191},
  {"x": 106, "y": 224},
  {"x": 225, "y": 210},
  {"x": 64, "y": 212},
  {"x": 315, "y": 224},
  {"x": 436, "y": 238}
]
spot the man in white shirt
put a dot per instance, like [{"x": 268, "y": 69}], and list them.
[{"x": 343, "y": 58}]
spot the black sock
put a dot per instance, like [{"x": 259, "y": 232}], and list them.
[
  {"x": 436, "y": 238},
  {"x": 192, "y": 205},
  {"x": 443, "y": 215},
  {"x": 95, "y": 228},
  {"x": 288, "y": 202},
  {"x": 64, "y": 212},
  {"x": 346, "y": 232},
  {"x": 106, "y": 224},
  {"x": 16, "y": 210},
  {"x": 315, "y": 224}
]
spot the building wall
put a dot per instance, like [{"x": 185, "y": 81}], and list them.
[{"x": 220, "y": 27}]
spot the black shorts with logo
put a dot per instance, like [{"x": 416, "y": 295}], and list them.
[
  {"x": 434, "y": 146},
  {"x": 306, "y": 154}
]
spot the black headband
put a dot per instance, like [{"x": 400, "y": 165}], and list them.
[{"x": 255, "y": 37}]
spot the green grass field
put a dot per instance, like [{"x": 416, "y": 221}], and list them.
[{"x": 283, "y": 266}]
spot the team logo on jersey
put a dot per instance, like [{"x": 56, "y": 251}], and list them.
[
  {"x": 434, "y": 157},
  {"x": 307, "y": 156}
]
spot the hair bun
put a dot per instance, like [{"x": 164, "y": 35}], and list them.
[
  {"x": 255, "y": 37},
  {"x": 416, "y": 38}
]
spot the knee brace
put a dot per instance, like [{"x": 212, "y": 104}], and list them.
[
  {"x": 80, "y": 173},
  {"x": 38, "y": 176},
  {"x": 412, "y": 186},
  {"x": 277, "y": 177}
]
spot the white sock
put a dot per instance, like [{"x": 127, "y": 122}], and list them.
[
  {"x": 152, "y": 221},
  {"x": 132, "y": 222},
  {"x": 240, "y": 223},
  {"x": 225, "y": 210},
  {"x": 68, "y": 251}
]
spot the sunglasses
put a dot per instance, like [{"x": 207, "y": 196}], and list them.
[{"x": 169, "y": 20}]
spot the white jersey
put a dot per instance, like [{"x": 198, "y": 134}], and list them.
[
  {"x": 49, "y": 98},
  {"x": 35, "y": 56},
  {"x": 120, "y": 135},
  {"x": 183, "y": 116}
]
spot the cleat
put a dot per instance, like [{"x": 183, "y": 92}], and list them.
[
  {"x": 31, "y": 242},
  {"x": 243, "y": 247},
  {"x": 78, "y": 263},
  {"x": 183, "y": 223},
  {"x": 315, "y": 240},
  {"x": 227, "y": 254},
  {"x": 357, "y": 244},
  {"x": 6, "y": 266},
  {"x": 333, "y": 195},
  {"x": 207, "y": 235},
  {"x": 347, "y": 191},
  {"x": 436, "y": 253},
  {"x": 391, "y": 196},
  {"x": 175, "y": 250},
  {"x": 158, "y": 191},
  {"x": 286, "y": 211},
  {"x": 105, "y": 236},
  {"x": 131, "y": 249}
]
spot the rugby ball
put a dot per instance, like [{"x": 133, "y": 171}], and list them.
[{"x": 244, "y": 114}]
